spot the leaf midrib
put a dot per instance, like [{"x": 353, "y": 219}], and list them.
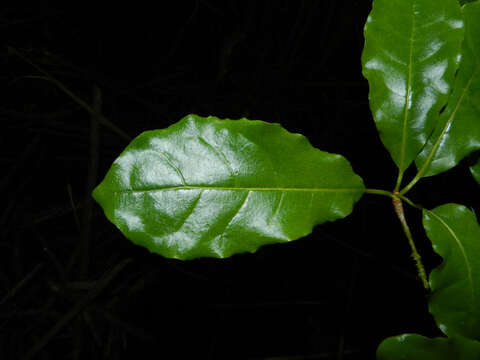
[
  {"x": 226, "y": 188},
  {"x": 408, "y": 94},
  {"x": 450, "y": 118}
]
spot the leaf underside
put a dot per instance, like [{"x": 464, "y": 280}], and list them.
[
  {"x": 206, "y": 187},
  {"x": 455, "y": 299},
  {"x": 457, "y": 132},
  {"x": 411, "y": 53}
]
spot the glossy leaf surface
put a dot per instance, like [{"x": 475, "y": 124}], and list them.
[
  {"x": 455, "y": 299},
  {"x": 411, "y": 53},
  {"x": 457, "y": 133},
  {"x": 206, "y": 187},
  {"x": 416, "y": 347}
]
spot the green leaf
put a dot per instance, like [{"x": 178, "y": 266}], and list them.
[
  {"x": 411, "y": 53},
  {"x": 416, "y": 347},
  {"x": 455, "y": 299},
  {"x": 457, "y": 133},
  {"x": 206, "y": 187}
]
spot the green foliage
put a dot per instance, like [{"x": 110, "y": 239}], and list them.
[
  {"x": 455, "y": 234},
  {"x": 416, "y": 347},
  {"x": 457, "y": 132},
  {"x": 211, "y": 187},
  {"x": 453, "y": 229},
  {"x": 410, "y": 61}
]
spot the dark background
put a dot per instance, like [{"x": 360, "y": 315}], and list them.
[{"x": 340, "y": 290}]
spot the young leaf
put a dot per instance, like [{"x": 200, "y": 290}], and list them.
[
  {"x": 457, "y": 133},
  {"x": 411, "y": 53},
  {"x": 417, "y": 347},
  {"x": 206, "y": 187},
  {"x": 455, "y": 284}
]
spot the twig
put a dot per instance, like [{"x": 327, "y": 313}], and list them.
[
  {"x": 20, "y": 161},
  {"x": 79, "y": 306},
  {"x": 398, "y": 206},
  {"x": 74, "y": 208},
  {"x": 103, "y": 120},
  {"x": 90, "y": 184},
  {"x": 21, "y": 283}
]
